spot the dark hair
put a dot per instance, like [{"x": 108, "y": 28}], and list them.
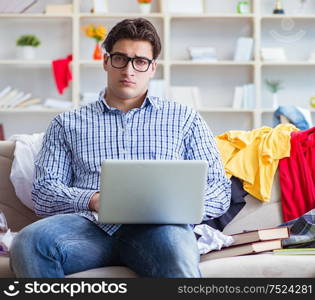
[{"x": 134, "y": 29}]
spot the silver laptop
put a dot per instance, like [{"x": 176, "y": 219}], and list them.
[{"x": 152, "y": 191}]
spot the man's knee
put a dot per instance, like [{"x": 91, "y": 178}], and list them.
[{"x": 179, "y": 253}]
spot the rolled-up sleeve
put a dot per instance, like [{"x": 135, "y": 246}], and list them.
[
  {"x": 52, "y": 191},
  {"x": 200, "y": 145}
]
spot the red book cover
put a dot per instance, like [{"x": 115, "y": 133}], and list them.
[{"x": 1, "y": 133}]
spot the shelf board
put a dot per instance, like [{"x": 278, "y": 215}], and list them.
[
  {"x": 211, "y": 16},
  {"x": 30, "y": 110},
  {"x": 271, "y": 110},
  {"x": 36, "y": 16},
  {"x": 97, "y": 63},
  {"x": 25, "y": 62},
  {"x": 289, "y": 63},
  {"x": 271, "y": 17},
  {"x": 120, "y": 15},
  {"x": 225, "y": 110},
  {"x": 211, "y": 63}
]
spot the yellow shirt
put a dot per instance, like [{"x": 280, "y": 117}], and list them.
[{"x": 253, "y": 156}]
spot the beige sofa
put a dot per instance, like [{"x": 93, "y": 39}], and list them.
[{"x": 255, "y": 214}]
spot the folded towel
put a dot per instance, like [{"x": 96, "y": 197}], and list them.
[{"x": 62, "y": 72}]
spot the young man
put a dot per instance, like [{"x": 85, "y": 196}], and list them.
[{"x": 125, "y": 123}]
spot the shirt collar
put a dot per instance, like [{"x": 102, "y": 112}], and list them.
[{"x": 104, "y": 107}]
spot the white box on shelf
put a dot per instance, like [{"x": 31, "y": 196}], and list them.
[
  {"x": 273, "y": 54},
  {"x": 100, "y": 6},
  {"x": 185, "y": 6},
  {"x": 244, "y": 49},
  {"x": 58, "y": 9},
  {"x": 56, "y": 103}
]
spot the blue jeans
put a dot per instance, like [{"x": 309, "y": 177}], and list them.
[{"x": 64, "y": 244}]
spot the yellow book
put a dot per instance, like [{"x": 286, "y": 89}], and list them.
[{"x": 295, "y": 251}]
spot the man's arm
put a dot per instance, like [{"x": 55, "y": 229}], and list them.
[
  {"x": 52, "y": 191},
  {"x": 200, "y": 145}
]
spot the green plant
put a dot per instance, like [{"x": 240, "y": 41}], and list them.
[
  {"x": 28, "y": 40},
  {"x": 273, "y": 85}
]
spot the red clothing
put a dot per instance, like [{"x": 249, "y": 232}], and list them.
[
  {"x": 297, "y": 175},
  {"x": 62, "y": 72}
]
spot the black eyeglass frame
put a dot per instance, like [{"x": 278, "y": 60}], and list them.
[{"x": 150, "y": 61}]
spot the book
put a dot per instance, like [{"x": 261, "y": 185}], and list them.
[
  {"x": 28, "y": 102},
  {"x": 5, "y": 91},
  {"x": 250, "y": 248},
  {"x": 248, "y": 96},
  {"x": 23, "y": 97},
  {"x": 238, "y": 97},
  {"x": 244, "y": 49},
  {"x": 185, "y": 95},
  {"x": 295, "y": 251},
  {"x": 260, "y": 235},
  {"x": 8, "y": 97}
]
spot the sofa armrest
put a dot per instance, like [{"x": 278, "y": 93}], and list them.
[{"x": 17, "y": 214}]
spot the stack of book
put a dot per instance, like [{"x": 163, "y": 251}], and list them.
[
  {"x": 14, "y": 98},
  {"x": 204, "y": 54},
  {"x": 244, "y": 97},
  {"x": 251, "y": 242}
]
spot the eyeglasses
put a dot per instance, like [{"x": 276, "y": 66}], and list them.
[{"x": 120, "y": 61}]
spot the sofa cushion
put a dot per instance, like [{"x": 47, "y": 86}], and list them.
[
  {"x": 260, "y": 265},
  {"x": 106, "y": 272},
  {"x": 22, "y": 170},
  {"x": 247, "y": 266}
]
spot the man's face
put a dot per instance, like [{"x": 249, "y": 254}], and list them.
[{"x": 127, "y": 83}]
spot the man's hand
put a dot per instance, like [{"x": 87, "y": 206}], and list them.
[{"x": 94, "y": 203}]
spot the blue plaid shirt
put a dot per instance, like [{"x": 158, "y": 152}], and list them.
[{"x": 67, "y": 168}]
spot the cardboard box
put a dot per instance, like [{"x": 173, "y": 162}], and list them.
[{"x": 58, "y": 9}]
